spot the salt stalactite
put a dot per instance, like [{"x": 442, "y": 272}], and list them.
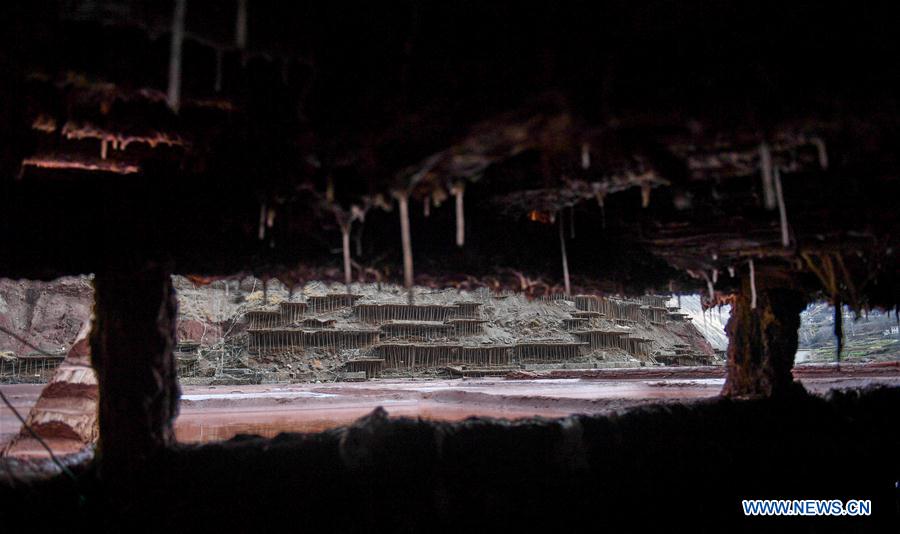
[
  {"x": 565, "y": 259},
  {"x": 240, "y": 25},
  {"x": 174, "y": 93},
  {"x": 403, "y": 201},
  {"x": 345, "y": 243},
  {"x": 585, "y": 156},
  {"x": 823, "y": 154},
  {"x": 645, "y": 195},
  {"x": 731, "y": 271},
  {"x": 262, "y": 221},
  {"x": 765, "y": 163},
  {"x": 103, "y": 148},
  {"x": 426, "y": 207},
  {"x": 782, "y": 212},
  {"x": 715, "y": 276},
  {"x": 458, "y": 191},
  {"x": 752, "y": 285}
]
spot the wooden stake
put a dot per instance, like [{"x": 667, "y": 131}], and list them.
[
  {"x": 345, "y": 242},
  {"x": 565, "y": 259},
  {"x": 403, "y": 200}
]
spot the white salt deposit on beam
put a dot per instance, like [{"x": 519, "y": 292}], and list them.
[
  {"x": 765, "y": 163},
  {"x": 458, "y": 191},
  {"x": 752, "y": 286},
  {"x": 174, "y": 93},
  {"x": 782, "y": 211}
]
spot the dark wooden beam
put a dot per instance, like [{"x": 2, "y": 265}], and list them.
[
  {"x": 132, "y": 345},
  {"x": 763, "y": 339}
]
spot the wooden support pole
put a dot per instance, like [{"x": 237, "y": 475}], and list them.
[
  {"x": 345, "y": 243},
  {"x": 565, "y": 259},
  {"x": 403, "y": 201},
  {"x": 763, "y": 340},
  {"x": 132, "y": 343}
]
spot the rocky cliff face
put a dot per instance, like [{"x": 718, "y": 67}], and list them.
[{"x": 48, "y": 315}]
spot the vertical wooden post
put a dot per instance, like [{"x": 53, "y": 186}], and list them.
[
  {"x": 403, "y": 200},
  {"x": 345, "y": 242},
  {"x": 565, "y": 259},
  {"x": 763, "y": 340},
  {"x": 132, "y": 344}
]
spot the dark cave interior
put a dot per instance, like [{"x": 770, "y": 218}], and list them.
[{"x": 745, "y": 151}]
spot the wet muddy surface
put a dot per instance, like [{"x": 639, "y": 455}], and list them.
[
  {"x": 210, "y": 413},
  {"x": 220, "y": 413}
]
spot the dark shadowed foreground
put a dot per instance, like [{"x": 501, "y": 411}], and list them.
[{"x": 588, "y": 472}]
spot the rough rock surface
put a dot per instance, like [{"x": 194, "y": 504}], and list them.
[{"x": 48, "y": 315}]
